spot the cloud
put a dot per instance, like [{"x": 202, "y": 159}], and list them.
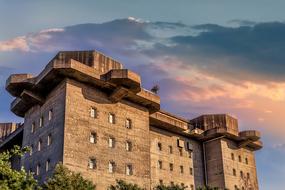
[
  {"x": 18, "y": 43},
  {"x": 200, "y": 69}
]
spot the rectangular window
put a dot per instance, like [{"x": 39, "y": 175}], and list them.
[
  {"x": 92, "y": 163},
  {"x": 239, "y": 158},
  {"x": 171, "y": 167},
  {"x": 41, "y": 121},
  {"x": 93, "y": 138},
  {"x": 128, "y": 124},
  {"x": 159, "y": 164},
  {"x": 31, "y": 150},
  {"x": 181, "y": 169},
  {"x": 128, "y": 146},
  {"x": 111, "y": 167},
  {"x": 38, "y": 169},
  {"x": 180, "y": 151},
  {"x": 248, "y": 176},
  {"x": 170, "y": 150},
  {"x": 159, "y": 146},
  {"x": 49, "y": 140},
  {"x": 129, "y": 169},
  {"x": 241, "y": 174},
  {"x": 50, "y": 114},
  {"x": 233, "y": 156},
  {"x": 47, "y": 165},
  {"x": 93, "y": 112},
  {"x": 33, "y": 127},
  {"x": 246, "y": 160},
  {"x": 180, "y": 143},
  {"x": 234, "y": 172},
  {"x": 191, "y": 171},
  {"x": 39, "y": 145},
  {"x": 192, "y": 187},
  {"x": 189, "y": 146},
  {"x": 111, "y": 142},
  {"x": 111, "y": 118}
]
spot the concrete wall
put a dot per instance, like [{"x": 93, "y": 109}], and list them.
[
  {"x": 187, "y": 159},
  {"x": 55, "y": 101},
  {"x": 228, "y": 148},
  {"x": 78, "y": 126}
]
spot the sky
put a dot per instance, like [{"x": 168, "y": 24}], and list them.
[{"x": 207, "y": 56}]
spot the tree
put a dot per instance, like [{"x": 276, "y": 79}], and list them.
[
  {"x": 11, "y": 179},
  {"x": 171, "y": 187},
  {"x": 64, "y": 179},
  {"x": 122, "y": 185},
  {"x": 207, "y": 188}
]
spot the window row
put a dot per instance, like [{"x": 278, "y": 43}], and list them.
[
  {"x": 42, "y": 121},
  {"x": 111, "y": 141},
  {"x": 111, "y": 118},
  {"x": 39, "y": 145},
  {"x": 38, "y": 169},
  {"x": 241, "y": 174},
  {"x": 182, "y": 184},
  {"x": 92, "y": 164},
  {"x": 171, "y": 167},
  {"x": 189, "y": 148},
  {"x": 236, "y": 188},
  {"x": 239, "y": 158}
]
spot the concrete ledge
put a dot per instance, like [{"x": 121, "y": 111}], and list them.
[
  {"x": 125, "y": 78},
  {"x": 252, "y": 135},
  {"x": 17, "y": 82},
  {"x": 169, "y": 122}
]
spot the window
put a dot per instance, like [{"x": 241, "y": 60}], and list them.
[
  {"x": 128, "y": 146},
  {"x": 129, "y": 169},
  {"x": 189, "y": 146},
  {"x": 31, "y": 150},
  {"x": 191, "y": 171},
  {"x": 233, "y": 156},
  {"x": 49, "y": 140},
  {"x": 246, "y": 160},
  {"x": 192, "y": 187},
  {"x": 241, "y": 174},
  {"x": 39, "y": 145},
  {"x": 159, "y": 146},
  {"x": 38, "y": 169},
  {"x": 111, "y": 142},
  {"x": 111, "y": 167},
  {"x": 248, "y": 176},
  {"x": 170, "y": 149},
  {"x": 242, "y": 188},
  {"x": 236, "y": 188},
  {"x": 111, "y": 118},
  {"x": 128, "y": 124},
  {"x": 171, "y": 183},
  {"x": 159, "y": 164},
  {"x": 50, "y": 114},
  {"x": 234, "y": 172},
  {"x": 33, "y": 127},
  {"x": 171, "y": 167},
  {"x": 160, "y": 181},
  {"x": 239, "y": 158},
  {"x": 93, "y": 138},
  {"x": 181, "y": 169},
  {"x": 182, "y": 184},
  {"x": 41, "y": 121},
  {"x": 92, "y": 163},
  {"x": 47, "y": 165},
  {"x": 180, "y": 151},
  {"x": 93, "y": 112}
]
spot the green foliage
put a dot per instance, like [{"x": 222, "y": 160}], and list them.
[
  {"x": 64, "y": 179},
  {"x": 122, "y": 185},
  {"x": 12, "y": 179},
  {"x": 171, "y": 187},
  {"x": 207, "y": 188}
]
